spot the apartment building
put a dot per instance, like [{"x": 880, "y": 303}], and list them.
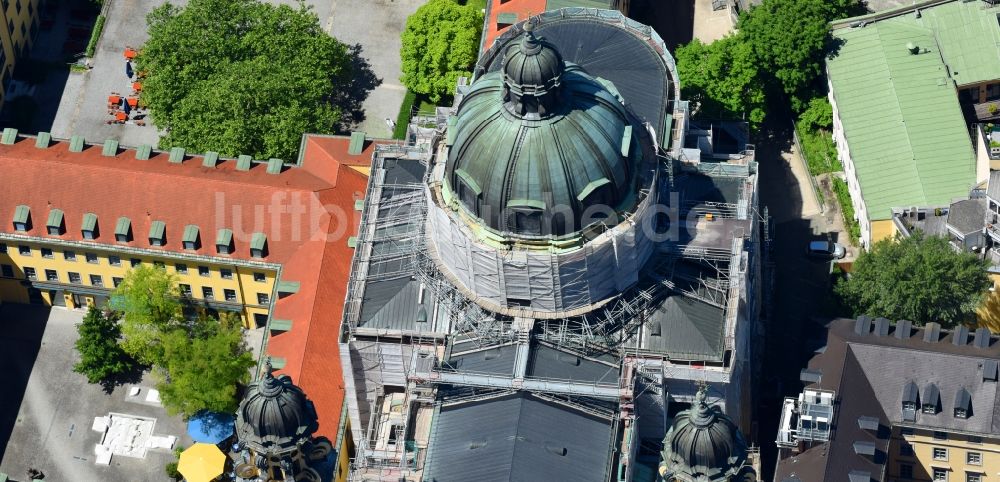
[{"x": 18, "y": 25}]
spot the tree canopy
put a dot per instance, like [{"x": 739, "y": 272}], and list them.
[
  {"x": 722, "y": 78},
  {"x": 241, "y": 76},
  {"x": 149, "y": 301},
  {"x": 919, "y": 278},
  {"x": 440, "y": 44},
  {"x": 101, "y": 358},
  {"x": 203, "y": 366}
]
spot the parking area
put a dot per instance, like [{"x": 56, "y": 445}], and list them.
[{"x": 47, "y": 411}]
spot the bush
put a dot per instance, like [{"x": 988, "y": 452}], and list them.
[
  {"x": 95, "y": 36},
  {"x": 847, "y": 209},
  {"x": 403, "y": 118},
  {"x": 818, "y": 149},
  {"x": 172, "y": 472}
]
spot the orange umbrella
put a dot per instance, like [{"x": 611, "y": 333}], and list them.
[
  {"x": 133, "y": 101},
  {"x": 130, "y": 53},
  {"x": 121, "y": 116},
  {"x": 114, "y": 99},
  {"x": 137, "y": 86}
]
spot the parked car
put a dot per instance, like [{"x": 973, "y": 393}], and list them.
[{"x": 826, "y": 249}]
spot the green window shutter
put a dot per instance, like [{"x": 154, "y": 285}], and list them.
[
  {"x": 357, "y": 143},
  {"x": 177, "y": 155},
  {"x": 110, "y": 148},
  {"x": 157, "y": 230},
  {"x": 43, "y": 140},
  {"x": 89, "y": 222},
  {"x": 21, "y": 214},
  {"x": 258, "y": 241},
  {"x": 76, "y": 144},
  {"x": 274, "y": 165},
  {"x": 122, "y": 226},
  {"x": 9, "y": 136},
  {"x": 143, "y": 152},
  {"x": 288, "y": 287},
  {"x": 55, "y": 219},
  {"x": 211, "y": 159},
  {"x": 224, "y": 237},
  {"x": 277, "y": 362},
  {"x": 243, "y": 162}
]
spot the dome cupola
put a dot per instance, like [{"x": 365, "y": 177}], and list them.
[
  {"x": 275, "y": 416},
  {"x": 703, "y": 445},
  {"x": 532, "y": 71}
]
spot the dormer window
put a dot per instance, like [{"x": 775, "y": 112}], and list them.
[
  {"x": 22, "y": 218},
  {"x": 55, "y": 223},
  {"x": 963, "y": 403},
  {"x": 258, "y": 245},
  {"x": 224, "y": 241},
  {"x": 89, "y": 227},
  {"x": 123, "y": 230},
  {"x": 931, "y": 399},
  {"x": 191, "y": 239},
  {"x": 158, "y": 233}
]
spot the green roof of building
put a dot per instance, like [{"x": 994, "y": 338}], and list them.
[
  {"x": 557, "y": 4},
  {"x": 901, "y": 117}
]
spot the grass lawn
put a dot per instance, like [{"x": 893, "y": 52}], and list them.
[{"x": 479, "y": 4}]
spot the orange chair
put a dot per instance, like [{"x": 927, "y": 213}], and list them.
[
  {"x": 133, "y": 102},
  {"x": 121, "y": 117}
]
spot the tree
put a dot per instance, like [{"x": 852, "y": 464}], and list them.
[
  {"x": 241, "y": 76},
  {"x": 101, "y": 358},
  {"x": 203, "y": 366},
  {"x": 791, "y": 38},
  {"x": 919, "y": 278},
  {"x": 723, "y": 78},
  {"x": 818, "y": 115},
  {"x": 149, "y": 301},
  {"x": 440, "y": 44}
]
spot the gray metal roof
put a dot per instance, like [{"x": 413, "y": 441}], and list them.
[
  {"x": 497, "y": 360},
  {"x": 392, "y": 304},
  {"x": 518, "y": 438},
  {"x": 686, "y": 327},
  {"x": 549, "y": 362},
  {"x": 967, "y": 216}
]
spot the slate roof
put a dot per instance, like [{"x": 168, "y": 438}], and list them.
[
  {"x": 188, "y": 192},
  {"x": 901, "y": 116},
  {"x": 869, "y": 374},
  {"x": 521, "y": 9},
  {"x": 967, "y": 216},
  {"x": 518, "y": 438},
  {"x": 560, "y": 364},
  {"x": 495, "y": 360}
]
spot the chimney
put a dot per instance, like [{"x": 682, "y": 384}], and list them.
[
  {"x": 863, "y": 325},
  {"x": 932, "y": 332},
  {"x": 960, "y": 336},
  {"x": 881, "y": 327},
  {"x": 903, "y": 328}
]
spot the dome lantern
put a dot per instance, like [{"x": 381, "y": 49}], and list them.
[
  {"x": 532, "y": 71},
  {"x": 703, "y": 445},
  {"x": 275, "y": 416}
]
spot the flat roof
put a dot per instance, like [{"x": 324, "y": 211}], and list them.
[{"x": 901, "y": 117}]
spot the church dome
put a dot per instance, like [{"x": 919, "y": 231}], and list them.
[
  {"x": 275, "y": 415},
  {"x": 703, "y": 444},
  {"x": 543, "y": 149}
]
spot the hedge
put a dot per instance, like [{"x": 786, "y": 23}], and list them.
[{"x": 95, "y": 35}]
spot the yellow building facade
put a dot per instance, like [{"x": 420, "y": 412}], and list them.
[
  {"x": 80, "y": 275},
  {"x": 18, "y": 26},
  {"x": 928, "y": 455}
]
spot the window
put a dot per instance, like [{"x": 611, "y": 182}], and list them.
[
  {"x": 226, "y": 273},
  {"x": 185, "y": 289},
  {"x": 29, "y": 273},
  {"x": 74, "y": 278},
  {"x": 91, "y": 258},
  {"x": 906, "y": 471},
  {"x": 181, "y": 268},
  {"x": 259, "y": 277},
  {"x": 203, "y": 271},
  {"x": 116, "y": 281},
  {"x": 69, "y": 255},
  {"x": 96, "y": 280},
  {"x": 940, "y": 436},
  {"x": 114, "y": 260},
  {"x": 940, "y": 474},
  {"x": 973, "y": 477},
  {"x": 3, "y": 248},
  {"x": 905, "y": 449},
  {"x": 230, "y": 295},
  {"x": 51, "y": 275},
  {"x": 207, "y": 293},
  {"x": 975, "y": 440},
  {"x": 135, "y": 262},
  {"x": 262, "y": 298},
  {"x": 940, "y": 453},
  {"x": 46, "y": 253},
  {"x": 24, "y": 250},
  {"x": 974, "y": 458},
  {"x": 7, "y": 270}
]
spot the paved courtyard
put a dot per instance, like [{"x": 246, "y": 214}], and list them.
[
  {"x": 377, "y": 27},
  {"x": 47, "y": 410},
  {"x": 710, "y": 24},
  {"x": 83, "y": 106}
]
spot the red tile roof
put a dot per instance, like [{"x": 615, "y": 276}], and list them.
[
  {"x": 523, "y": 8},
  {"x": 307, "y": 213}
]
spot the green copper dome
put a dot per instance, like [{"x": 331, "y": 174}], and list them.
[
  {"x": 543, "y": 149},
  {"x": 703, "y": 445}
]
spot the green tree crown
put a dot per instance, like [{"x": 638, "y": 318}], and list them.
[
  {"x": 101, "y": 358},
  {"x": 439, "y": 45}
]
